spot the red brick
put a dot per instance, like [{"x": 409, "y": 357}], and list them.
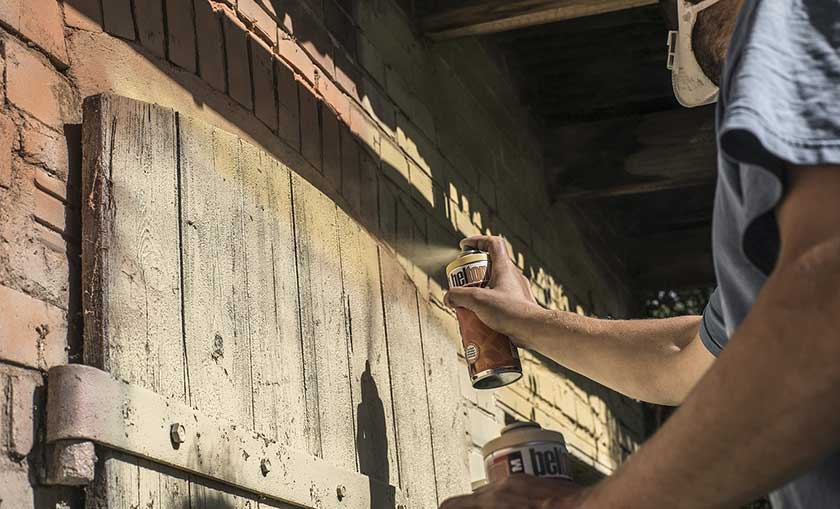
[
  {"x": 34, "y": 332},
  {"x": 8, "y": 132},
  {"x": 150, "y": 26},
  {"x": 238, "y": 72},
  {"x": 310, "y": 126},
  {"x": 211, "y": 48},
  {"x": 23, "y": 408},
  {"x": 335, "y": 98},
  {"x": 49, "y": 211},
  {"x": 50, "y": 239},
  {"x": 39, "y": 21},
  {"x": 47, "y": 148},
  {"x": 365, "y": 130},
  {"x": 261, "y": 16},
  {"x": 289, "y": 50},
  {"x": 368, "y": 190},
  {"x": 331, "y": 146},
  {"x": 288, "y": 122},
  {"x": 347, "y": 74},
  {"x": 51, "y": 185},
  {"x": 265, "y": 106},
  {"x": 33, "y": 86},
  {"x": 83, "y": 14},
  {"x": 118, "y": 19},
  {"x": 350, "y": 172},
  {"x": 181, "y": 36}
]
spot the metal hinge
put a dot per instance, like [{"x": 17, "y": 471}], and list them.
[{"x": 86, "y": 405}]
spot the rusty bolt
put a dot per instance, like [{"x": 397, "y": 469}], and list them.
[
  {"x": 265, "y": 466},
  {"x": 341, "y": 491},
  {"x": 177, "y": 433}
]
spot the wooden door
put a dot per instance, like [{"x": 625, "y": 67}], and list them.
[{"x": 215, "y": 276}]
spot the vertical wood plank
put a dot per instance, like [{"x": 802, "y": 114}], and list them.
[
  {"x": 131, "y": 275},
  {"x": 411, "y": 407},
  {"x": 215, "y": 319},
  {"x": 371, "y": 380},
  {"x": 323, "y": 324},
  {"x": 273, "y": 318},
  {"x": 446, "y": 405}
]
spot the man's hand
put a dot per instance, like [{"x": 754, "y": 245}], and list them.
[
  {"x": 506, "y": 304},
  {"x": 522, "y": 492}
]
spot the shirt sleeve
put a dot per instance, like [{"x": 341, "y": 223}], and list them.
[{"x": 712, "y": 327}]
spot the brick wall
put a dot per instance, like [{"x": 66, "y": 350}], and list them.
[{"x": 421, "y": 143}]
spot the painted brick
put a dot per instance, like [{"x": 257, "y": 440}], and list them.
[
  {"x": 351, "y": 184},
  {"x": 150, "y": 29},
  {"x": 38, "y": 331},
  {"x": 181, "y": 33},
  {"x": 210, "y": 42},
  {"x": 331, "y": 147},
  {"x": 49, "y": 211},
  {"x": 378, "y": 106},
  {"x": 394, "y": 163},
  {"x": 238, "y": 71},
  {"x": 335, "y": 98},
  {"x": 83, "y": 14},
  {"x": 311, "y": 34},
  {"x": 118, "y": 19},
  {"x": 422, "y": 184},
  {"x": 8, "y": 132},
  {"x": 24, "y": 404},
  {"x": 369, "y": 197},
  {"x": 347, "y": 74},
  {"x": 261, "y": 16},
  {"x": 418, "y": 147},
  {"x": 371, "y": 59},
  {"x": 262, "y": 64},
  {"x": 33, "y": 86},
  {"x": 47, "y": 148},
  {"x": 310, "y": 126},
  {"x": 39, "y": 21},
  {"x": 288, "y": 122}
]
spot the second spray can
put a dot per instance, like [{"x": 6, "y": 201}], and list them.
[{"x": 492, "y": 359}]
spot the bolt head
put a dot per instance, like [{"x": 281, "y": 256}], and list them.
[
  {"x": 265, "y": 466},
  {"x": 341, "y": 491},
  {"x": 178, "y": 433}
]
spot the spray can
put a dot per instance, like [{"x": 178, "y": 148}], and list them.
[
  {"x": 492, "y": 359},
  {"x": 526, "y": 448}
]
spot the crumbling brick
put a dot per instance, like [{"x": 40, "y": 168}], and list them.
[
  {"x": 24, "y": 404},
  {"x": 8, "y": 131},
  {"x": 210, "y": 42},
  {"x": 238, "y": 72},
  {"x": 50, "y": 185},
  {"x": 181, "y": 34},
  {"x": 49, "y": 211},
  {"x": 83, "y": 14},
  {"x": 262, "y": 60},
  {"x": 289, "y": 50},
  {"x": 34, "y": 331},
  {"x": 34, "y": 86},
  {"x": 47, "y": 148},
  {"x": 39, "y": 21},
  {"x": 261, "y": 16},
  {"x": 118, "y": 19}
]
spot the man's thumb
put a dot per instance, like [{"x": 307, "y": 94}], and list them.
[{"x": 461, "y": 298}]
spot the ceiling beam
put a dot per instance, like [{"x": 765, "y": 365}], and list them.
[
  {"x": 635, "y": 188},
  {"x": 492, "y": 16}
]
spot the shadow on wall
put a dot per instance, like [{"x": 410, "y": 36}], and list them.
[
  {"x": 344, "y": 135},
  {"x": 371, "y": 435}
]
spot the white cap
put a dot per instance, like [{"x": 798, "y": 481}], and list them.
[{"x": 691, "y": 85}]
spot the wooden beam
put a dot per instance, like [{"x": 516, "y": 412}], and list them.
[{"x": 494, "y": 16}]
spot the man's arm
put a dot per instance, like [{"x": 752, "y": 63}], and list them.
[
  {"x": 653, "y": 360},
  {"x": 770, "y": 406}
]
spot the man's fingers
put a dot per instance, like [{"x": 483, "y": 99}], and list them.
[
  {"x": 461, "y": 297},
  {"x": 492, "y": 244},
  {"x": 462, "y": 502}
]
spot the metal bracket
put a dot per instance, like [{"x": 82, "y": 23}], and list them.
[{"x": 87, "y": 404}]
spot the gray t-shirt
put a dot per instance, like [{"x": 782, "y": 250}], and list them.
[{"x": 779, "y": 104}]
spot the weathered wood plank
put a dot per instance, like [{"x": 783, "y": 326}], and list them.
[
  {"x": 323, "y": 324},
  {"x": 272, "y": 299},
  {"x": 215, "y": 327},
  {"x": 411, "y": 406},
  {"x": 492, "y": 16},
  {"x": 132, "y": 291},
  {"x": 371, "y": 379},
  {"x": 446, "y": 405}
]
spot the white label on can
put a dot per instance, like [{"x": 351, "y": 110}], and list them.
[
  {"x": 469, "y": 274},
  {"x": 546, "y": 459}
]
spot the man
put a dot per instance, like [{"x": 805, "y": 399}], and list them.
[{"x": 758, "y": 375}]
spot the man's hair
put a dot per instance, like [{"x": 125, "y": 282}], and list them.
[{"x": 711, "y": 35}]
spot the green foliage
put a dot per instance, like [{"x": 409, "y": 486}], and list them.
[{"x": 670, "y": 303}]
